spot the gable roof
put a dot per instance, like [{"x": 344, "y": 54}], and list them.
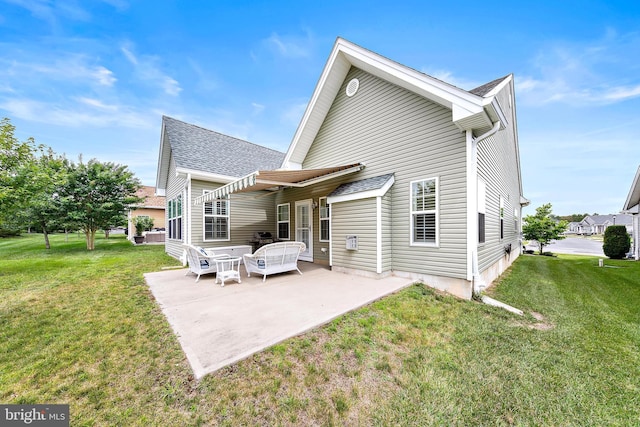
[
  {"x": 470, "y": 111},
  {"x": 199, "y": 150}
]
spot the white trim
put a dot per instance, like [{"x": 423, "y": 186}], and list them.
[
  {"x": 436, "y": 211},
  {"x": 378, "y": 234},
  {"x": 345, "y": 55},
  {"x": 205, "y": 176},
  {"x": 204, "y": 216},
  {"x": 472, "y": 202},
  {"x": 363, "y": 194},
  {"x": 288, "y": 221},
  {"x": 633, "y": 198},
  {"x": 320, "y": 219},
  {"x": 187, "y": 207},
  {"x": 309, "y": 250}
]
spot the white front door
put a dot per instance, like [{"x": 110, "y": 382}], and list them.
[{"x": 304, "y": 228}]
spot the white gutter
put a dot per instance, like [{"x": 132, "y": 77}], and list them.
[{"x": 473, "y": 269}]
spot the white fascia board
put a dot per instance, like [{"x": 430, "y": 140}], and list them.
[
  {"x": 363, "y": 194},
  {"x": 335, "y": 71},
  {"x": 634, "y": 192},
  {"x": 415, "y": 81},
  {"x": 345, "y": 55},
  {"x": 205, "y": 176},
  {"x": 163, "y": 166}
]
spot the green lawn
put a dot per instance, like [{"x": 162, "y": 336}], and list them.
[{"x": 82, "y": 328}]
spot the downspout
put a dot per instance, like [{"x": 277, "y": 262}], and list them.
[
  {"x": 186, "y": 217},
  {"x": 477, "y": 284}
]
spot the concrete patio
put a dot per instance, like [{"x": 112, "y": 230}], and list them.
[{"x": 218, "y": 326}]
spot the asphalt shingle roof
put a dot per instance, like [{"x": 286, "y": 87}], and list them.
[
  {"x": 487, "y": 87},
  {"x": 367, "y": 184},
  {"x": 208, "y": 151}
]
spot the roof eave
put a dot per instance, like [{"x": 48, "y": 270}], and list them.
[
  {"x": 163, "y": 165},
  {"x": 633, "y": 198}
]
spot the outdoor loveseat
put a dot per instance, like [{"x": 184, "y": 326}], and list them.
[{"x": 274, "y": 258}]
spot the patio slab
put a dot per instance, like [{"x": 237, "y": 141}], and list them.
[{"x": 218, "y": 326}]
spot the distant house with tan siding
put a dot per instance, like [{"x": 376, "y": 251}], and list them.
[
  {"x": 153, "y": 207},
  {"x": 390, "y": 172}
]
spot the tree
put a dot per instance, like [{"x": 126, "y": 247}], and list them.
[
  {"x": 41, "y": 181},
  {"x": 13, "y": 156},
  {"x": 542, "y": 228},
  {"x": 97, "y": 196},
  {"x": 616, "y": 242}
]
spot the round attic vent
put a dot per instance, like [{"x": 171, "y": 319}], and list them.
[{"x": 352, "y": 87}]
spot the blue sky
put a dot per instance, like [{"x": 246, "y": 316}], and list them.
[{"x": 95, "y": 77}]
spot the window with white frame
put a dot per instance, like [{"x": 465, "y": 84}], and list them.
[
  {"x": 283, "y": 215},
  {"x": 482, "y": 202},
  {"x": 424, "y": 212},
  {"x": 325, "y": 218},
  {"x": 216, "y": 219},
  {"x": 515, "y": 219},
  {"x": 175, "y": 218}
]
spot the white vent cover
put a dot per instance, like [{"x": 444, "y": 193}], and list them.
[{"x": 352, "y": 87}]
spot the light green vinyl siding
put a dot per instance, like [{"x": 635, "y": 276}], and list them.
[
  {"x": 498, "y": 167},
  {"x": 248, "y": 213},
  {"x": 358, "y": 218},
  {"x": 387, "y": 232},
  {"x": 291, "y": 195},
  {"x": 393, "y": 130}
]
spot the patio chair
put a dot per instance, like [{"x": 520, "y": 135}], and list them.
[{"x": 200, "y": 262}]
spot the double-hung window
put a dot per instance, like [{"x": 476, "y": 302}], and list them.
[
  {"x": 216, "y": 219},
  {"x": 424, "y": 212},
  {"x": 175, "y": 218},
  {"x": 325, "y": 218},
  {"x": 283, "y": 221}
]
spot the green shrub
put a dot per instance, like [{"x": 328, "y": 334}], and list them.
[{"x": 616, "y": 242}]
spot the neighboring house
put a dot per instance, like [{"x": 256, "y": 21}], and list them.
[
  {"x": 390, "y": 172},
  {"x": 597, "y": 224},
  {"x": 153, "y": 207},
  {"x": 632, "y": 206},
  {"x": 572, "y": 227}
]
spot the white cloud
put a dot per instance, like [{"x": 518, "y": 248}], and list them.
[
  {"x": 257, "y": 108},
  {"x": 77, "y": 115},
  {"x": 597, "y": 73},
  {"x": 289, "y": 47},
  {"x": 97, "y": 104},
  {"x": 104, "y": 76},
  {"x": 147, "y": 70},
  {"x": 52, "y": 11},
  {"x": 70, "y": 68},
  {"x": 622, "y": 93}
]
